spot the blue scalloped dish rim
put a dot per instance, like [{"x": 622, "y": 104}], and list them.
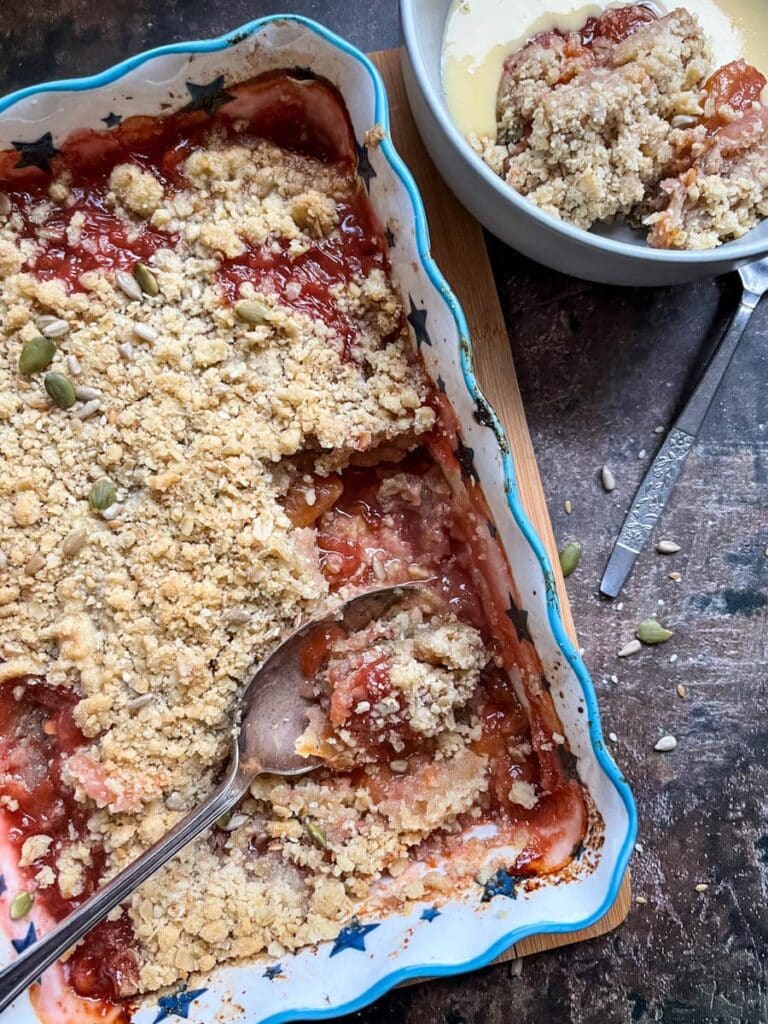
[{"x": 613, "y": 773}]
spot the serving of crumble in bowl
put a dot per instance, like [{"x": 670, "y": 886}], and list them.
[
  {"x": 623, "y": 143},
  {"x": 236, "y": 388}
]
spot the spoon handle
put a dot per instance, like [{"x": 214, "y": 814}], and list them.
[{"x": 20, "y": 974}]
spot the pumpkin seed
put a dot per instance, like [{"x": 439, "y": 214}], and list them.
[
  {"x": 36, "y": 355},
  {"x": 570, "y": 557},
  {"x": 55, "y": 328},
  {"x": 102, "y": 494},
  {"x": 667, "y": 547},
  {"x": 128, "y": 286},
  {"x": 73, "y": 365},
  {"x": 631, "y": 648},
  {"x": 651, "y": 632},
  {"x": 21, "y": 905},
  {"x": 146, "y": 280},
  {"x": 608, "y": 479},
  {"x": 60, "y": 390},
  {"x": 251, "y": 312},
  {"x": 665, "y": 744},
  {"x": 73, "y": 542},
  {"x": 317, "y": 835}
]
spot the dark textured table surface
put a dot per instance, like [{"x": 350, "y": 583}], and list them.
[{"x": 600, "y": 368}]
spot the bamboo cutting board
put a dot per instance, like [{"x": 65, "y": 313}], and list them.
[{"x": 459, "y": 248}]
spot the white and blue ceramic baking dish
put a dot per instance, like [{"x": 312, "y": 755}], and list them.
[{"x": 366, "y": 960}]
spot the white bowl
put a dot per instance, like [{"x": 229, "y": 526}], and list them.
[
  {"x": 339, "y": 977},
  {"x": 615, "y": 255}
]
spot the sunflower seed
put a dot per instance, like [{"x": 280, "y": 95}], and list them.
[
  {"x": 126, "y": 350},
  {"x": 651, "y": 632},
  {"x": 631, "y": 648},
  {"x": 83, "y": 393},
  {"x": 608, "y": 479},
  {"x": 145, "y": 279},
  {"x": 88, "y": 409},
  {"x": 570, "y": 557},
  {"x": 684, "y": 121},
  {"x": 136, "y": 703},
  {"x": 56, "y": 329},
  {"x": 665, "y": 744},
  {"x": 73, "y": 542},
  {"x": 175, "y": 802},
  {"x": 34, "y": 564},
  {"x": 228, "y": 823},
  {"x": 36, "y": 354},
  {"x": 145, "y": 332},
  {"x": 238, "y": 616},
  {"x": 667, "y": 547},
  {"x": 21, "y": 905},
  {"x": 73, "y": 365},
  {"x": 251, "y": 312},
  {"x": 128, "y": 286}
]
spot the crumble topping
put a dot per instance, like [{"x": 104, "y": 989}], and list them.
[{"x": 617, "y": 121}]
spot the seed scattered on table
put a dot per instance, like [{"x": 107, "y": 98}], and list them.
[
  {"x": 675, "y": 576},
  {"x": 642, "y": 453},
  {"x": 641, "y": 900},
  {"x": 568, "y": 506},
  {"x": 701, "y": 887},
  {"x": 667, "y": 547},
  {"x": 570, "y": 557},
  {"x": 652, "y": 632},
  {"x": 658, "y": 430},
  {"x": 665, "y": 744},
  {"x": 613, "y": 737},
  {"x": 608, "y": 479},
  {"x": 631, "y": 648},
  {"x": 681, "y": 691}
]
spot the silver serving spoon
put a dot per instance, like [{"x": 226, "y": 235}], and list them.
[{"x": 272, "y": 716}]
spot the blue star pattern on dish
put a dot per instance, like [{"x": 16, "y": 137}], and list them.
[
  {"x": 37, "y": 153},
  {"x": 429, "y": 913},
  {"x": 466, "y": 459},
  {"x": 208, "y": 97},
  {"x": 417, "y": 318},
  {"x": 483, "y": 415},
  {"x": 364, "y": 168},
  {"x": 352, "y": 936},
  {"x": 519, "y": 619},
  {"x": 500, "y": 884},
  {"x": 178, "y": 1004},
  {"x": 112, "y": 120},
  {"x": 21, "y": 944},
  {"x": 273, "y": 971}
]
